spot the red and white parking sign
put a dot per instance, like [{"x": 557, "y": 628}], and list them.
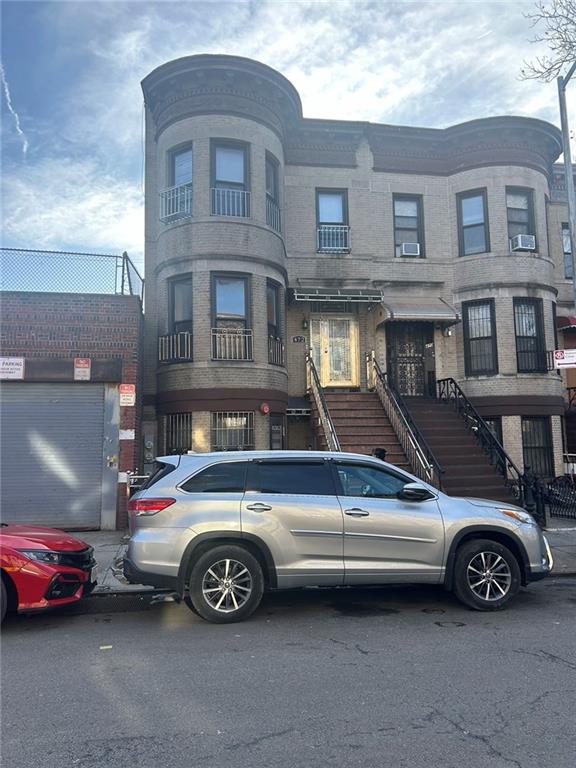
[
  {"x": 565, "y": 358},
  {"x": 82, "y": 368}
]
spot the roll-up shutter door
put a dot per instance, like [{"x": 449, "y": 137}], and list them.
[{"x": 51, "y": 450}]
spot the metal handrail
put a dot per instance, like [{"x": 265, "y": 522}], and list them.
[
  {"x": 315, "y": 388},
  {"x": 450, "y": 391},
  {"x": 419, "y": 454}
]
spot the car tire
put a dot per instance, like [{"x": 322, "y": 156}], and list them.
[
  {"x": 486, "y": 575},
  {"x": 3, "y": 600},
  {"x": 226, "y": 585}
]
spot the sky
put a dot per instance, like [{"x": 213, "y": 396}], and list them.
[{"x": 72, "y": 106}]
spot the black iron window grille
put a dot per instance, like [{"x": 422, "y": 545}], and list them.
[
  {"x": 529, "y": 327},
  {"x": 537, "y": 445},
  {"x": 480, "y": 344},
  {"x": 232, "y": 431},
  {"x": 177, "y": 433}
]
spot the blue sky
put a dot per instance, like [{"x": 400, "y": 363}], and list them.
[{"x": 72, "y": 141}]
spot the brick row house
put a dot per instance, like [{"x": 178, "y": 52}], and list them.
[{"x": 436, "y": 254}]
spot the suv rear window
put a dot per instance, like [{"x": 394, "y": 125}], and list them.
[
  {"x": 299, "y": 477},
  {"x": 160, "y": 471},
  {"x": 227, "y": 477}
]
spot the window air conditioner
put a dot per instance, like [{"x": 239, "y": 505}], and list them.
[
  {"x": 523, "y": 243},
  {"x": 410, "y": 249}
]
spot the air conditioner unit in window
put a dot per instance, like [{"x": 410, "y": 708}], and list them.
[
  {"x": 410, "y": 249},
  {"x": 523, "y": 243}
]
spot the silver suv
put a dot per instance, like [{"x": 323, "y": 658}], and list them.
[{"x": 220, "y": 528}]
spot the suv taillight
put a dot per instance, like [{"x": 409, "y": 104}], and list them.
[{"x": 140, "y": 507}]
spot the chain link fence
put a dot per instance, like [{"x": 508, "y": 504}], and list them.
[{"x": 68, "y": 272}]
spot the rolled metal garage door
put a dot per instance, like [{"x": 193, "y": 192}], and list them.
[{"x": 51, "y": 451}]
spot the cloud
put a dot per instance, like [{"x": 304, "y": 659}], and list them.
[
  {"x": 13, "y": 112},
  {"x": 62, "y": 204}
]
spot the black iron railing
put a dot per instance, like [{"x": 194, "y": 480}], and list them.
[
  {"x": 315, "y": 389},
  {"x": 449, "y": 391},
  {"x": 419, "y": 454}
]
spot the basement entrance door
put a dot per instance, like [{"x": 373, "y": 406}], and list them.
[
  {"x": 410, "y": 351},
  {"x": 334, "y": 348}
]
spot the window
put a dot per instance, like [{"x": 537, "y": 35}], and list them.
[
  {"x": 272, "y": 194},
  {"x": 180, "y": 309},
  {"x": 519, "y": 211},
  {"x": 230, "y": 179},
  {"x": 480, "y": 350},
  {"x": 230, "y": 305},
  {"x": 473, "y": 222},
  {"x": 177, "y": 433},
  {"x": 332, "y": 220},
  {"x": 180, "y": 171},
  {"x": 273, "y": 309},
  {"x": 408, "y": 224},
  {"x": 362, "y": 480},
  {"x": 537, "y": 445},
  {"x": 232, "y": 431},
  {"x": 494, "y": 424},
  {"x": 529, "y": 327},
  {"x": 311, "y": 478},
  {"x": 567, "y": 249},
  {"x": 228, "y": 477}
]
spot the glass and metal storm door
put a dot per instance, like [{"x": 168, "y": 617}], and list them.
[{"x": 334, "y": 346}]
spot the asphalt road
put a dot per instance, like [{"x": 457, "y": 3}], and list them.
[{"x": 400, "y": 677}]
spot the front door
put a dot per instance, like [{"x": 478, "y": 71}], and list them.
[
  {"x": 387, "y": 539},
  {"x": 410, "y": 349},
  {"x": 334, "y": 343}
]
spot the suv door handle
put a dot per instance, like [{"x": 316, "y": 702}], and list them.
[
  {"x": 258, "y": 507},
  {"x": 356, "y": 512}
]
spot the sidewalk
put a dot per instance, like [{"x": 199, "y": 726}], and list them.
[{"x": 109, "y": 548}]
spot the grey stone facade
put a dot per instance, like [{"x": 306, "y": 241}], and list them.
[{"x": 202, "y": 100}]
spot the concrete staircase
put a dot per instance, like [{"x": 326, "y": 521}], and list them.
[
  {"x": 467, "y": 470},
  {"x": 361, "y": 425}
]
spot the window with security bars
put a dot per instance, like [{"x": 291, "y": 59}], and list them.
[
  {"x": 232, "y": 431},
  {"x": 537, "y": 445},
  {"x": 567, "y": 249},
  {"x": 480, "y": 350},
  {"x": 519, "y": 211},
  {"x": 529, "y": 328},
  {"x": 177, "y": 433}
]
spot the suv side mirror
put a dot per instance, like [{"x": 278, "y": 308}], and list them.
[{"x": 414, "y": 492}]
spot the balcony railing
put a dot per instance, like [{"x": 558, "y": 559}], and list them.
[
  {"x": 176, "y": 203},
  {"x": 275, "y": 351},
  {"x": 273, "y": 218},
  {"x": 174, "y": 347},
  {"x": 230, "y": 202},
  {"x": 333, "y": 238},
  {"x": 231, "y": 344}
]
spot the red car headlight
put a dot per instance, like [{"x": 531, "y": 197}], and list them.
[{"x": 43, "y": 556}]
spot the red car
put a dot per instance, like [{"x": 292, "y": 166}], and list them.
[{"x": 43, "y": 568}]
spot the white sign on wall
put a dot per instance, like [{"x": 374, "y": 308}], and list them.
[
  {"x": 11, "y": 367},
  {"x": 127, "y": 394},
  {"x": 82, "y": 368},
  {"x": 565, "y": 358}
]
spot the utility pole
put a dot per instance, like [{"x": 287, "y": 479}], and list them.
[{"x": 562, "y": 83}]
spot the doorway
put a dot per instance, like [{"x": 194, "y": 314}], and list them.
[
  {"x": 334, "y": 349},
  {"x": 410, "y": 353}
]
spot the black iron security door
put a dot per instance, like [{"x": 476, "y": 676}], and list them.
[{"x": 411, "y": 358}]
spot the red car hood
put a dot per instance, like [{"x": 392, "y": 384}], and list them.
[{"x": 34, "y": 537}]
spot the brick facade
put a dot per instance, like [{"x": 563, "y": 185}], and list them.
[{"x": 61, "y": 327}]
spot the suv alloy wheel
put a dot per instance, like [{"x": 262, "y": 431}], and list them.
[
  {"x": 226, "y": 584},
  {"x": 486, "y": 575}
]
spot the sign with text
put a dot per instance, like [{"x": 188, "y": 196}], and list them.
[
  {"x": 82, "y": 368},
  {"x": 565, "y": 358},
  {"x": 127, "y": 394},
  {"x": 298, "y": 339},
  {"x": 11, "y": 367}
]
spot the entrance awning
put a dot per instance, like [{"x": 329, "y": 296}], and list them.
[
  {"x": 565, "y": 322},
  {"x": 364, "y": 295},
  {"x": 432, "y": 310}
]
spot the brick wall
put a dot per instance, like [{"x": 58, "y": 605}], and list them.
[{"x": 65, "y": 326}]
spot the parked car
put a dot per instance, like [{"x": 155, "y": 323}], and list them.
[
  {"x": 43, "y": 568},
  {"x": 219, "y": 529}
]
